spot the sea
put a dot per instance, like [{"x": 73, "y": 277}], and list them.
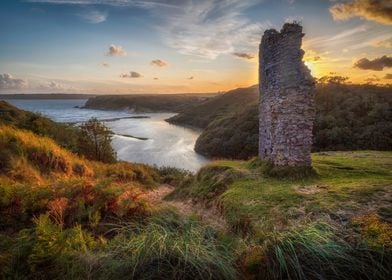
[{"x": 141, "y": 138}]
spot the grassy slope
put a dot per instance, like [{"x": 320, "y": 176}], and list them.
[
  {"x": 64, "y": 217},
  {"x": 347, "y": 183},
  {"x": 65, "y": 135}
]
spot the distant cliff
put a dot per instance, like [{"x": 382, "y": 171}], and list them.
[{"x": 147, "y": 102}]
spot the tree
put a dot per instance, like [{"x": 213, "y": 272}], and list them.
[{"x": 95, "y": 141}]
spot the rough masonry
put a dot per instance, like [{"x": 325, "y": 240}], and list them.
[{"x": 286, "y": 109}]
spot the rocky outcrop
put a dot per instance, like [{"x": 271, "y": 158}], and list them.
[{"x": 286, "y": 109}]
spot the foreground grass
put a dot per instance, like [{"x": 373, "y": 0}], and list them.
[
  {"x": 335, "y": 224},
  {"x": 346, "y": 182},
  {"x": 64, "y": 217}
]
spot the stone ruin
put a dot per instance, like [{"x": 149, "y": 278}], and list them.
[{"x": 286, "y": 109}]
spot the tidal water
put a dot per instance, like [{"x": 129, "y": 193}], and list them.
[{"x": 144, "y": 140}]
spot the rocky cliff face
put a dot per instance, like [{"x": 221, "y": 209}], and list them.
[{"x": 286, "y": 109}]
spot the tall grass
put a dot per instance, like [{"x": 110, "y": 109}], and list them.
[
  {"x": 168, "y": 246},
  {"x": 316, "y": 251},
  {"x": 165, "y": 246}
]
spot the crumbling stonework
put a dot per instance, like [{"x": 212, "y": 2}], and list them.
[{"x": 286, "y": 110}]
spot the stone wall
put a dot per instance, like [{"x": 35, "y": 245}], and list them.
[{"x": 286, "y": 110}]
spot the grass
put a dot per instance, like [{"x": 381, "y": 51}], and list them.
[
  {"x": 345, "y": 182},
  {"x": 335, "y": 225},
  {"x": 65, "y": 217},
  {"x": 62, "y": 216}
]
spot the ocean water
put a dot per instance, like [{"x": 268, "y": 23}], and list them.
[{"x": 144, "y": 140}]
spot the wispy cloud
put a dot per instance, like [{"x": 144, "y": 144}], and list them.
[
  {"x": 374, "y": 10},
  {"x": 116, "y": 51},
  {"x": 9, "y": 82},
  {"x": 387, "y": 43},
  {"x": 123, "y": 3},
  {"x": 208, "y": 28},
  {"x": 205, "y": 28},
  {"x": 159, "y": 63},
  {"x": 345, "y": 37},
  {"x": 131, "y": 74},
  {"x": 93, "y": 16}
]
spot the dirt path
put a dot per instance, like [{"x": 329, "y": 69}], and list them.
[{"x": 209, "y": 215}]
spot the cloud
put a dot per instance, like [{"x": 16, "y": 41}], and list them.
[
  {"x": 387, "y": 44},
  {"x": 345, "y": 37},
  {"x": 159, "y": 63},
  {"x": 374, "y": 10},
  {"x": 116, "y": 51},
  {"x": 209, "y": 28},
  {"x": 94, "y": 16},
  {"x": 132, "y": 74},
  {"x": 205, "y": 28},
  {"x": 388, "y": 76},
  {"x": 117, "y": 3},
  {"x": 377, "y": 64},
  {"x": 244, "y": 55},
  {"x": 51, "y": 86},
  {"x": 104, "y": 64},
  {"x": 8, "y": 82}
]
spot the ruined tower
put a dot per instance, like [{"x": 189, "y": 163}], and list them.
[{"x": 286, "y": 109}]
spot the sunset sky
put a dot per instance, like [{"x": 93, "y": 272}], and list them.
[{"x": 157, "y": 46}]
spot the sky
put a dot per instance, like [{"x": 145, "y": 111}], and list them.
[{"x": 180, "y": 46}]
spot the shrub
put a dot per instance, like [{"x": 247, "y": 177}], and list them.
[
  {"x": 173, "y": 176},
  {"x": 95, "y": 141}
]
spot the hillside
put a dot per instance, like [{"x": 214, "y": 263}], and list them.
[
  {"x": 65, "y": 135},
  {"x": 348, "y": 117},
  {"x": 63, "y": 217},
  {"x": 336, "y": 225},
  {"x": 202, "y": 114},
  {"x": 147, "y": 102}
]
